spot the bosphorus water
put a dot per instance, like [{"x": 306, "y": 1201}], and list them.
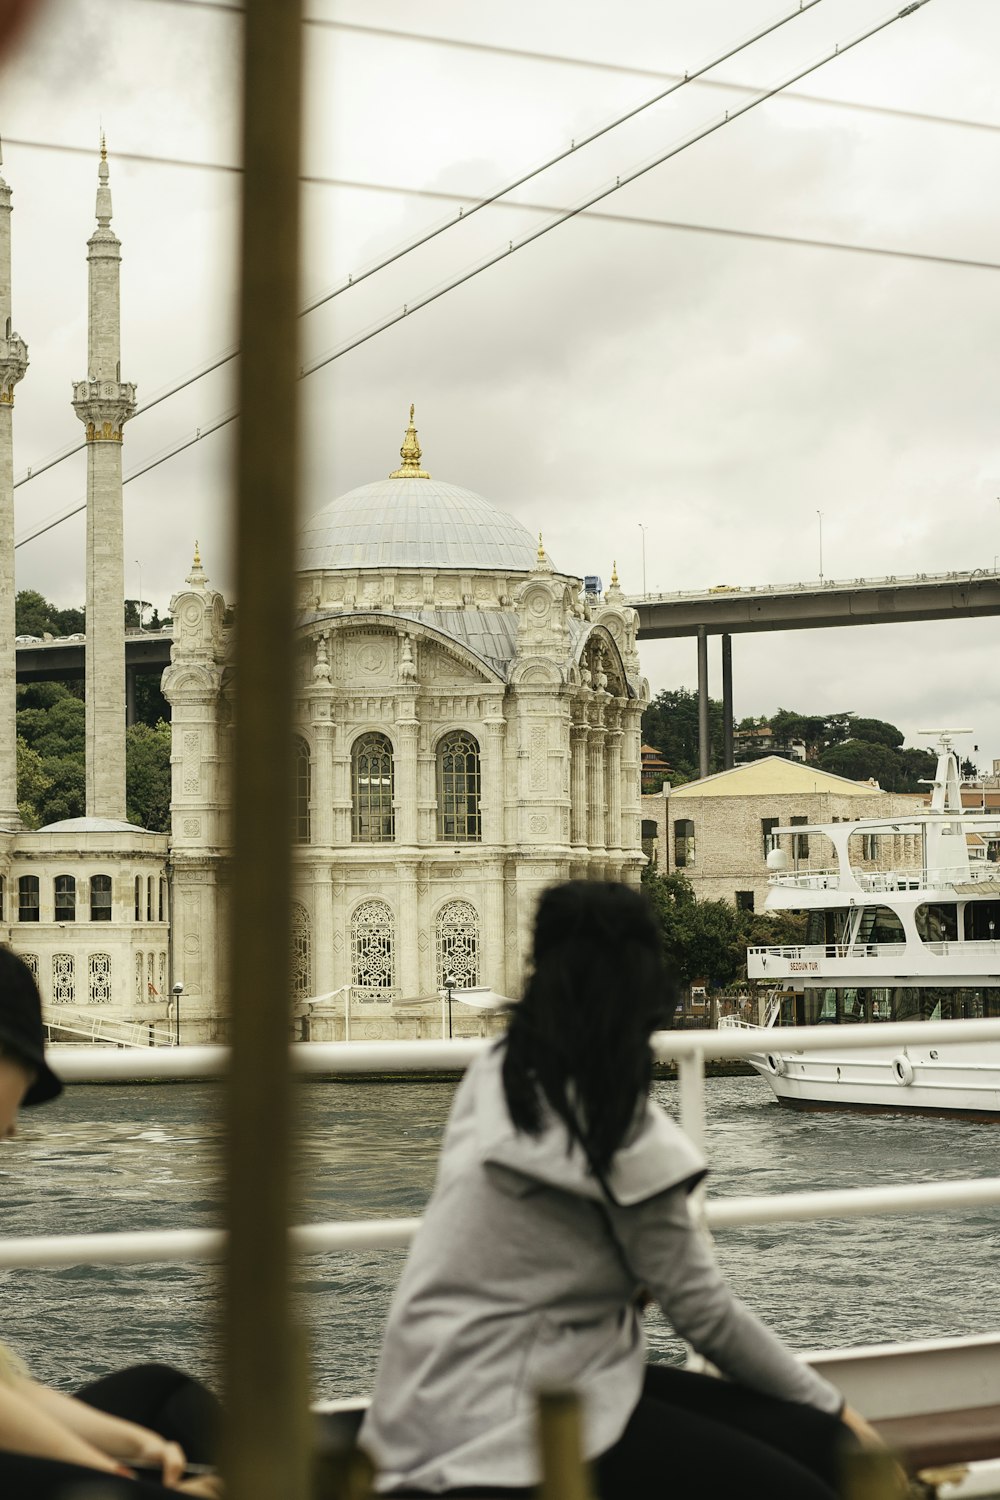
[{"x": 145, "y": 1157}]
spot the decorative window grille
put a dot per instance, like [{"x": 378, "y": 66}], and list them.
[
  {"x": 301, "y": 955},
  {"x": 458, "y": 943},
  {"x": 303, "y": 791},
  {"x": 27, "y": 898},
  {"x": 100, "y": 979},
  {"x": 63, "y": 979},
  {"x": 152, "y": 994},
  {"x": 373, "y": 961},
  {"x": 31, "y": 960},
  {"x": 162, "y": 967},
  {"x": 100, "y": 898},
  {"x": 65, "y": 898},
  {"x": 371, "y": 790},
  {"x": 458, "y": 786},
  {"x": 140, "y": 988},
  {"x": 138, "y": 898}
]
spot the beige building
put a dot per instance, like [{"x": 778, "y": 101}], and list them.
[{"x": 717, "y": 831}]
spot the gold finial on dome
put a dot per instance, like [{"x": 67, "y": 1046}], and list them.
[
  {"x": 197, "y": 556},
  {"x": 410, "y": 454},
  {"x": 541, "y": 548},
  {"x": 104, "y": 148},
  {"x": 614, "y": 575}
]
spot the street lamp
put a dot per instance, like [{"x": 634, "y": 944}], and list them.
[
  {"x": 820, "y": 514},
  {"x": 643, "y": 530},
  {"x": 177, "y": 991},
  {"x": 450, "y": 985}
]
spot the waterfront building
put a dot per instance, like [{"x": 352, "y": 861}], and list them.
[{"x": 716, "y": 831}]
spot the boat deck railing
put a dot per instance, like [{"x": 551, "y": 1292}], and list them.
[
  {"x": 814, "y": 952},
  {"x": 875, "y": 882},
  {"x": 689, "y": 1050}
]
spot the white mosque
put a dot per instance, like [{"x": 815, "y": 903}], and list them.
[{"x": 467, "y": 733}]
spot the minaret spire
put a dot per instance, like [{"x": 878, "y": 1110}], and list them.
[
  {"x": 104, "y": 403},
  {"x": 13, "y": 363}
]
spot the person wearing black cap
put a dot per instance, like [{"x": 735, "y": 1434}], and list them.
[{"x": 50, "y": 1442}]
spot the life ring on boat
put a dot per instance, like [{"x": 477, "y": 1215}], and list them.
[
  {"x": 902, "y": 1069},
  {"x": 775, "y": 1063}
]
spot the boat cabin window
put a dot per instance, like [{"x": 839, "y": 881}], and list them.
[
  {"x": 937, "y": 922},
  {"x": 880, "y": 924},
  {"x": 828, "y": 926},
  {"x": 981, "y": 921}
]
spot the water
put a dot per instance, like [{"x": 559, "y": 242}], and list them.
[{"x": 145, "y": 1157}]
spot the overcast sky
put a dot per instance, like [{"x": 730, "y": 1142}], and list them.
[{"x": 718, "y": 390}]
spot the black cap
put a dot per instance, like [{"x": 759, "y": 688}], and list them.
[{"x": 22, "y": 1035}]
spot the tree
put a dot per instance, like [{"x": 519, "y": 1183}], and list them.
[
  {"x": 66, "y": 794},
  {"x": 862, "y": 760},
  {"x": 701, "y": 939},
  {"x": 147, "y": 772},
  {"x": 670, "y": 722},
  {"x": 32, "y": 783},
  {"x": 878, "y": 732},
  {"x": 32, "y": 614}
]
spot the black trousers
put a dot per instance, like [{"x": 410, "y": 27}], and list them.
[
  {"x": 692, "y": 1437},
  {"x": 155, "y": 1396}
]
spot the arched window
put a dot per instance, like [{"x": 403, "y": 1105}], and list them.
[
  {"x": 27, "y": 898},
  {"x": 31, "y": 960},
  {"x": 683, "y": 843},
  {"x": 371, "y": 790},
  {"x": 458, "y": 943},
  {"x": 63, "y": 979},
  {"x": 459, "y": 819},
  {"x": 99, "y": 966},
  {"x": 140, "y": 981},
  {"x": 163, "y": 899},
  {"x": 65, "y": 898},
  {"x": 138, "y": 898},
  {"x": 303, "y": 791},
  {"x": 100, "y": 898},
  {"x": 373, "y": 958},
  {"x": 149, "y": 898},
  {"x": 301, "y": 955}
]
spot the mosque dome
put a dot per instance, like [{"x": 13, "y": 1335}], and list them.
[{"x": 413, "y": 521}]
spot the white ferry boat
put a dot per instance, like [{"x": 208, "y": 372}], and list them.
[{"x": 917, "y": 941}]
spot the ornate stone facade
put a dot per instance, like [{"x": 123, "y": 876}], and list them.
[{"x": 467, "y": 734}]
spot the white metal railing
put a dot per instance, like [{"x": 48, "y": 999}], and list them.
[
  {"x": 688, "y": 1049},
  {"x": 876, "y": 881},
  {"x": 826, "y": 585},
  {"x": 106, "y": 1029}
]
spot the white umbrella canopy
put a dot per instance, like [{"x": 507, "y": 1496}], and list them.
[{"x": 478, "y": 996}]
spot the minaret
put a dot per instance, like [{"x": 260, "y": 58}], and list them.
[
  {"x": 104, "y": 403},
  {"x": 13, "y": 363}
]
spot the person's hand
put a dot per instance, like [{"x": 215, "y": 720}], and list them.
[
  {"x": 863, "y": 1431},
  {"x": 155, "y": 1452},
  {"x": 207, "y": 1486}
]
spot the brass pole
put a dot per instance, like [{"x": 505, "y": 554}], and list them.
[
  {"x": 565, "y": 1476},
  {"x": 265, "y": 1453}
]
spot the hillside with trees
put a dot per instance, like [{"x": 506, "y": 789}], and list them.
[
  {"x": 841, "y": 742},
  {"x": 51, "y": 765}
]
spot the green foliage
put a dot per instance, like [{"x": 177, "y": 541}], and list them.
[
  {"x": 66, "y": 796},
  {"x": 34, "y": 615},
  {"x": 32, "y": 783},
  {"x": 878, "y": 732},
  {"x": 670, "y": 722},
  {"x": 147, "y": 773},
  {"x": 894, "y": 770},
  {"x": 707, "y": 941}
]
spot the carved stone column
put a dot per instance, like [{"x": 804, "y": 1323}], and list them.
[
  {"x": 613, "y": 781},
  {"x": 595, "y": 780},
  {"x": 408, "y": 955},
  {"x": 493, "y": 781},
  {"x": 578, "y": 784},
  {"x": 407, "y": 732},
  {"x": 321, "y": 812},
  {"x": 325, "y": 977},
  {"x": 493, "y": 970}
]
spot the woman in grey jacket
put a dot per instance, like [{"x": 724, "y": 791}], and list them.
[{"x": 560, "y": 1208}]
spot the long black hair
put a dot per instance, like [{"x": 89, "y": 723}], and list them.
[{"x": 580, "y": 1037}]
